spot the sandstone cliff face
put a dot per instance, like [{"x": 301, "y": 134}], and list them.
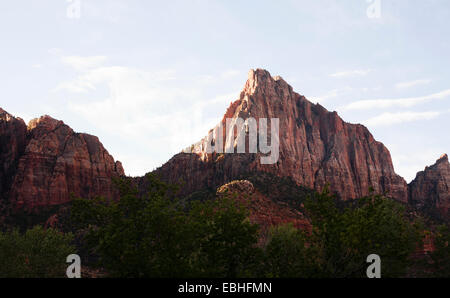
[
  {"x": 431, "y": 188},
  {"x": 316, "y": 147},
  {"x": 53, "y": 162},
  {"x": 13, "y": 133}
]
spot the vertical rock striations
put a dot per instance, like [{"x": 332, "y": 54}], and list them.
[
  {"x": 316, "y": 147},
  {"x": 51, "y": 162},
  {"x": 13, "y": 135},
  {"x": 430, "y": 190}
]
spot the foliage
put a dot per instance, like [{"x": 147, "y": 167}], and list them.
[
  {"x": 286, "y": 254},
  {"x": 440, "y": 257},
  {"x": 342, "y": 238},
  {"x": 159, "y": 235},
  {"x": 38, "y": 253},
  {"x": 226, "y": 240},
  {"x": 154, "y": 236}
]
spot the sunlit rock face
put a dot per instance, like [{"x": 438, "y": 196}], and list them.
[
  {"x": 316, "y": 147},
  {"x": 52, "y": 162},
  {"x": 431, "y": 188}
]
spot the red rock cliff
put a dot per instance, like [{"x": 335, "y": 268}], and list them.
[
  {"x": 13, "y": 134},
  {"x": 56, "y": 162},
  {"x": 431, "y": 188},
  {"x": 316, "y": 147}
]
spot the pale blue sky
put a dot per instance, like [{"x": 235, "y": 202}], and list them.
[{"x": 151, "y": 77}]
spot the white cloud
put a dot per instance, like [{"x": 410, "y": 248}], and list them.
[
  {"x": 409, "y": 84},
  {"x": 351, "y": 73},
  {"x": 114, "y": 76},
  {"x": 147, "y": 108},
  {"x": 408, "y": 163},
  {"x": 332, "y": 94},
  {"x": 83, "y": 63},
  {"x": 230, "y": 74},
  {"x": 398, "y": 102},
  {"x": 214, "y": 79},
  {"x": 386, "y": 119}
]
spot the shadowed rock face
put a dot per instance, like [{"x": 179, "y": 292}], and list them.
[
  {"x": 13, "y": 134},
  {"x": 263, "y": 210},
  {"x": 431, "y": 188},
  {"x": 316, "y": 147},
  {"x": 54, "y": 162}
]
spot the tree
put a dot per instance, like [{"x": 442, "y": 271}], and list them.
[
  {"x": 139, "y": 236},
  {"x": 158, "y": 235},
  {"x": 38, "y": 253},
  {"x": 226, "y": 239},
  {"x": 287, "y": 254},
  {"x": 440, "y": 257},
  {"x": 345, "y": 236}
]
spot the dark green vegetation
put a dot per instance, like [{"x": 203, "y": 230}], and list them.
[
  {"x": 161, "y": 235},
  {"x": 38, "y": 253},
  {"x": 342, "y": 238}
]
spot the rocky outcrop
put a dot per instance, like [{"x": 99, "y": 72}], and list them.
[
  {"x": 316, "y": 147},
  {"x": 13, "y": 134},
  {"x": 263, "y": 210},
  {"x": 52, "y": 162},
  {"x": 430, "y": 190}
]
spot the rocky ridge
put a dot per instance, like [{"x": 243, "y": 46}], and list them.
[{"x": 46, "y": 162}]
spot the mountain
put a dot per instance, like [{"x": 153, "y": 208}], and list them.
[
  {"x": 13, "y": 135},
  {"x": 316, "y": 147},
  {"x": 43, "y": 163},
  {"x": 430, "y": 190}
]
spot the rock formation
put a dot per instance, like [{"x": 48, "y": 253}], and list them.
[
  {"x": 430, "y": 190},
  {"x": 316, "y": 147},
  {"x": 43, "y": 164},
  {"x": 263, "y": 210},
  {"x": 13, "y": 134},
  {"x": 50, "y": 162}
]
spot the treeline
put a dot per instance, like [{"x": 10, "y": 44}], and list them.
[{"x": 159, "y": 235}]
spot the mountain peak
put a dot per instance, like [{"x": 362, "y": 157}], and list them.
[
  {"x": 258, "y": 73},
  {"x": 443, "y": 158},
  {"x": 260, "y": 81},
  {"x": 261, "y": 76},
  {"x": 315, "y": 148},
  {"x": 257, "y": 77},
  {"x": 46, "y": 121}
]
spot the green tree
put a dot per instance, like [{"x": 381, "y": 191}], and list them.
[
  {"x": 139, "y": 236},
  {"x": 38, "y": 253},
  {"x": 439, "y": 266},
  {"x": 157, "y": 235},
  {"x": 227, "y": 241},
  {"x": 287, "y": 254},
  {"x": 345, "y": 236}
]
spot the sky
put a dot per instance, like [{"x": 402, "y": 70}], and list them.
[{"x": 149, "y": 78}]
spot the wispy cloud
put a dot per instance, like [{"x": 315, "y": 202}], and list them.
[
  {"x": 145, "y": 107},
  {"x": 398, "y": 102},
  {"x": 350, "y": 73},
  {"x": 332, "y": 94},
  {"x": 409, "y": 84},
  {"x": 387, "y": 119},
  {"x": 214, "y": 79},
  {"x": 230, "y": 73},
  {"x": 414, "y": 160},
  {"x": 83, "y": 63},
  {"x": 113, "y": 76}
]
